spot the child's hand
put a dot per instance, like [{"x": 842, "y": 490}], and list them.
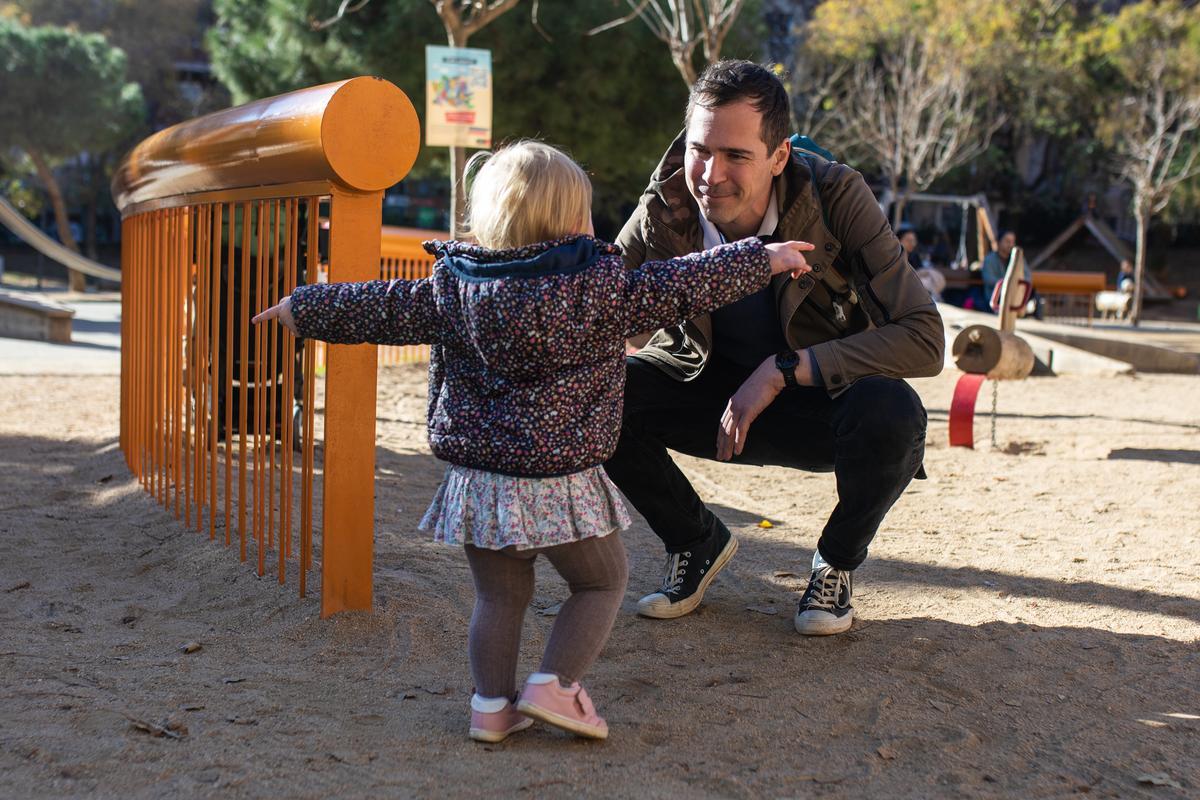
[
  {"x": 789, "y": 257},
  {"x": 281, "y": 311}
]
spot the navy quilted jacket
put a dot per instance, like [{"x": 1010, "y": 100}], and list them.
[{"x": 527, "y": 365}]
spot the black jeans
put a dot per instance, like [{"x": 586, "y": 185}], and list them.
[{"x": 872, "y": 437}]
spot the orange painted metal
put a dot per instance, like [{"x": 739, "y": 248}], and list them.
[
  {"x": 220, "y": 220},
  {"x": 228, "y": 373},
  {"x": 349, "y": 422},
  {"x": 360, "y": 134},
  {"x": 243, "y": 376}
]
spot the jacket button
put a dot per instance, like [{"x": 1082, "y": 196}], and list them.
[
  {"x": 816, "y": 267},
  {"x": 835, "y": 378},
  {"x": 829, "y": 247}
]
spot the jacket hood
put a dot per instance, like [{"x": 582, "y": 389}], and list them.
[{"x": 473, "y": 262}]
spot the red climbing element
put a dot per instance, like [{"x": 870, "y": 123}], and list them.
[{"x": 962, "y": 410}]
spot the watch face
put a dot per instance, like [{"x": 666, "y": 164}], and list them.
[{"x": 787, "y": 360}]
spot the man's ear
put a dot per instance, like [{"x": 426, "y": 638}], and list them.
[{"x": 780, "y": 157}]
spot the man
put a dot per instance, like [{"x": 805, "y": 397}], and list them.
[{"x": 803, "y": 374}]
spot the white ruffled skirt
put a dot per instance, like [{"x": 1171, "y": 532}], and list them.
[{"x": 495, "y": 511}]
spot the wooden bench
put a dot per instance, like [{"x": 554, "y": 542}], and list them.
[{"x": 1063, "y": 290}]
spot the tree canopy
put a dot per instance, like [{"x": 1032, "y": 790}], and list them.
[{"x": 614, "y": 101}]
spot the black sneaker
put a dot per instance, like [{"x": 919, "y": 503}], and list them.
[
  {"x": 688, "y": 576},
  {"x": 825, "y": 607}
]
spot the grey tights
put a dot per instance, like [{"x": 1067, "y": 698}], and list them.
[{"x": 596, "y": 571}]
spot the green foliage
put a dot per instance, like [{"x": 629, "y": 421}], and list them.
[
  {"x": 62, "y": 92},
  {"x": 613, "y": 100},
  {"x": 153, "y": 35},
  {"x": 1028, "y": 51}
]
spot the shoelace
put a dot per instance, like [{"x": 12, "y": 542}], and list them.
[
  {"x": 676, "y": 563},
  {"x": 824, "y": 588}
]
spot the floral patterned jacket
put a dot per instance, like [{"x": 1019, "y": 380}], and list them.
[{"x": 527, "y": 365}]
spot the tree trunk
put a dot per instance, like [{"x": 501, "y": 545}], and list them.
[
  {"x": 89, "y": 227},
  {"x": 458, "y": 199},
  {"x": 78, "y": 281},
  {"x": 898, "y": 206},
  {"x": 458, "y": 157},
  {"x": 1139, "y": 263}
]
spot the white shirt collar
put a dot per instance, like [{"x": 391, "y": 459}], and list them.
[{"x": 770, "y": 221}]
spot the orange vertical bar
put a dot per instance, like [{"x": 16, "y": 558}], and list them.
[
  {"x": 213, "y": 211},
  {"x": 203, "y": 269},
  {"x": 309, "y": 376},
  {"x": 243, "y": 375},
  {"x": 228, "y": 307},
  {"x": 272, "y": 368},
  {"x": 350, "y": 386},
  {"x": 260, "y": 398},
  {"x": 160, "y": 404},
  {"x": 177, "y": 399},
  {"x": 189, "y": 354},
  {"x": 289, "y": 365}
]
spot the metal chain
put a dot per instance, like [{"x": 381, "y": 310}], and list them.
[{"x": 995, "y": 391}]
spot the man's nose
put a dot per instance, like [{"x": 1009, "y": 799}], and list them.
[{"x": 712, "y": 172}]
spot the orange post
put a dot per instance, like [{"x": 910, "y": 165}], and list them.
[{"x": 350, "y": 384}]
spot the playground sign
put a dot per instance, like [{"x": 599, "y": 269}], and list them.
[{"x": 458, "y": 97}]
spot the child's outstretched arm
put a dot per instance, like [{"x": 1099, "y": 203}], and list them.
[
  {"x": 663, "y": 293},
  {"x": 374, "y": 312}
]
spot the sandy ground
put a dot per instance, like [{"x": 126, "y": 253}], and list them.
[{"x": 1027, "y": 627}]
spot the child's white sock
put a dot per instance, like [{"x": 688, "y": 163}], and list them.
[
  {"x": 488, "y": 705},
  {"x": 542, "y": 677}
]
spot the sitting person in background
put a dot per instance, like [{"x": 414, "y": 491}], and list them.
[
  {"x": 1125, "y": 281},
  {"x": 995, "y": 264},
  {"x": 933, "y": 281},
  {"x": 909, "y": 241}
]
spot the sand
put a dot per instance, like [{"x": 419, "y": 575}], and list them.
[{"x": 1027, "y": 627}]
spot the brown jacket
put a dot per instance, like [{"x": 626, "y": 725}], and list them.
[{"x": 861, "y": 311}]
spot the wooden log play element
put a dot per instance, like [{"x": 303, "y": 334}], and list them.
[
  {"x": 984, "y": 352},
  {"x": 998, "y": 355}
]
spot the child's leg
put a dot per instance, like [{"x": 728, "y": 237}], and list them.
[
  {"x": 503, "y": 590},
  {"x": 597, "y": 571}
]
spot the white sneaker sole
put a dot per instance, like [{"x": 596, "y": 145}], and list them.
[
  {"x": 658, "y": 606},
  {"x": 559, "y": 721},
  {"x": 825, "y": 625},
  {"x": 482, "y": 735}
]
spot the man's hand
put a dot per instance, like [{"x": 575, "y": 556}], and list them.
[
  {"x": 750, "y": 400},
  {"x": 789, "y": 257},
  {"x": 281, "y": 311}
]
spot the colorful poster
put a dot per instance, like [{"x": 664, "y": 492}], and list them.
[{"x": 458, "y": 97}]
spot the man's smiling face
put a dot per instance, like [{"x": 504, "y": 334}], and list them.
[{"x": 729, "y": 169}]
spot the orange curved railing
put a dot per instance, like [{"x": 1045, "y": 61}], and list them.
[{"x": 219, "y": 220}]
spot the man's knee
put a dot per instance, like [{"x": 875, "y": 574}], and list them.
[{"x": 886, "y": 412}]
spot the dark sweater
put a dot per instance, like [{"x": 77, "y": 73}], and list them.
[{"x": 527, "y": 365}]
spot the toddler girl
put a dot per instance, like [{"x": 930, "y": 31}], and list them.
[{"x": 526, "y": 374}]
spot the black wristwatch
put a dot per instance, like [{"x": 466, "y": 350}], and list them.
[{"x": 786, "y": 362}]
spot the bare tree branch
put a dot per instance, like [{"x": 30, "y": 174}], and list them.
[
  {"x": 684, "y": 25},
  {"x": 344, "y": 9}
]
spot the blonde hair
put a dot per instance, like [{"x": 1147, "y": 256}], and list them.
[{"x": 527, "y": 192}]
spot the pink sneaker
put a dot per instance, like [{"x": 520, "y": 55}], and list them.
[
  {"x": 570, "y": 709},
  {"x": 495, "y": 726}
]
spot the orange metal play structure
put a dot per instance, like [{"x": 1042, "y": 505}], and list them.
[{"x": 220, "y": 220}]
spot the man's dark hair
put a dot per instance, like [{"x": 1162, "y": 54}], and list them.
[{"x": 731, "y": 81}]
